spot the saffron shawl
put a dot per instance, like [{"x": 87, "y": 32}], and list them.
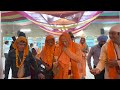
[
  {"x": 83, "y": 47},
  {"x": 111, "y": 56},
  {"x": 47, "y": 52},
  {"x": 65, "y": 62}
]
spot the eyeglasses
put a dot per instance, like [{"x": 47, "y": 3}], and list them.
[{"x": 112, "y": 33}]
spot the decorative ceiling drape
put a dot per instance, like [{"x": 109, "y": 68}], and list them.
[{"x": 56, "y": 22}]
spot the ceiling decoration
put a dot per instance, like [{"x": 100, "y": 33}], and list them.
[
  {"x": 52, "y": 22},
  {"x": 56, "y": 22},
  {"x": 60, "y": 14},
  {"x": 13, "y": 17}
]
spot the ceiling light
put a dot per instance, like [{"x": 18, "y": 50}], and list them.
[
  {"x": 106, "y": 28},
  {"x": 25, "y": 30}
]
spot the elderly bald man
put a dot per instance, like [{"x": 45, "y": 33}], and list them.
[
  {"x": 95, "y": 53},
  {"x": 110, "y": 55}
]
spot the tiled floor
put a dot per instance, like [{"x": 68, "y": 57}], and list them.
[{"x": 88, "y": 74}]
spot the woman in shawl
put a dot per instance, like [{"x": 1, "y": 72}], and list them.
[
  {"x": 47, "y": 56},
  {"x": 84, "y": 47},
  {"x": 69, "y": 58},
  {"x": 36, "y": 55}
]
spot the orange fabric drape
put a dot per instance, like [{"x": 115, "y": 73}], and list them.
[
  {"x": 83, "y": 46},
  {"x": 48, "y": 51},
  {"x": 64, "y": 66},
  {"x": 56, "y": 50},
  {"x": 111, "y": 56},
  {"x": 65, "y": 62}
]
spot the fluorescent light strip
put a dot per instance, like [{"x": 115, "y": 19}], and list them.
[{"x": 25, "y": 30}]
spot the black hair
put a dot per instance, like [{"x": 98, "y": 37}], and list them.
[
  {"x": 33, "y": 49},
  {"x": 22, "y": 34},
  {"x": 6, "y": 42},
  {"x": 71, "y": 35},
  {"x": 31, "y": 44}
]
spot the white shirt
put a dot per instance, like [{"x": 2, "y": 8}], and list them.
[{"x": 6, "y": 48}]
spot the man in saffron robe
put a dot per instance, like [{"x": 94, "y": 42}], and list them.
[{"x": 110, "y": 55}]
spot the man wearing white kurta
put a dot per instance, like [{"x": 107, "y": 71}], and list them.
[{"x": 106, "y": 63}]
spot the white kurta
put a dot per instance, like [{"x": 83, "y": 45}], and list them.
[{"x": 104, "y": 58}]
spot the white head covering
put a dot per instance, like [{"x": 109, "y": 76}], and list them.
[
  {"x": 115, "y": 28},
  {"x": 36, "y": 48}
]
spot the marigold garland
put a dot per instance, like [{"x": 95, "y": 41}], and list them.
[
  {"x": 19, "y": 39},
  {"x": 22, "y": 61}
]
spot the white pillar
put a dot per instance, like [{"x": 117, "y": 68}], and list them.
[{"x": 1, "y": 64}]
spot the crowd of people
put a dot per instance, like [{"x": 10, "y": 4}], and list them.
[{"x": 64, "y": 59}]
